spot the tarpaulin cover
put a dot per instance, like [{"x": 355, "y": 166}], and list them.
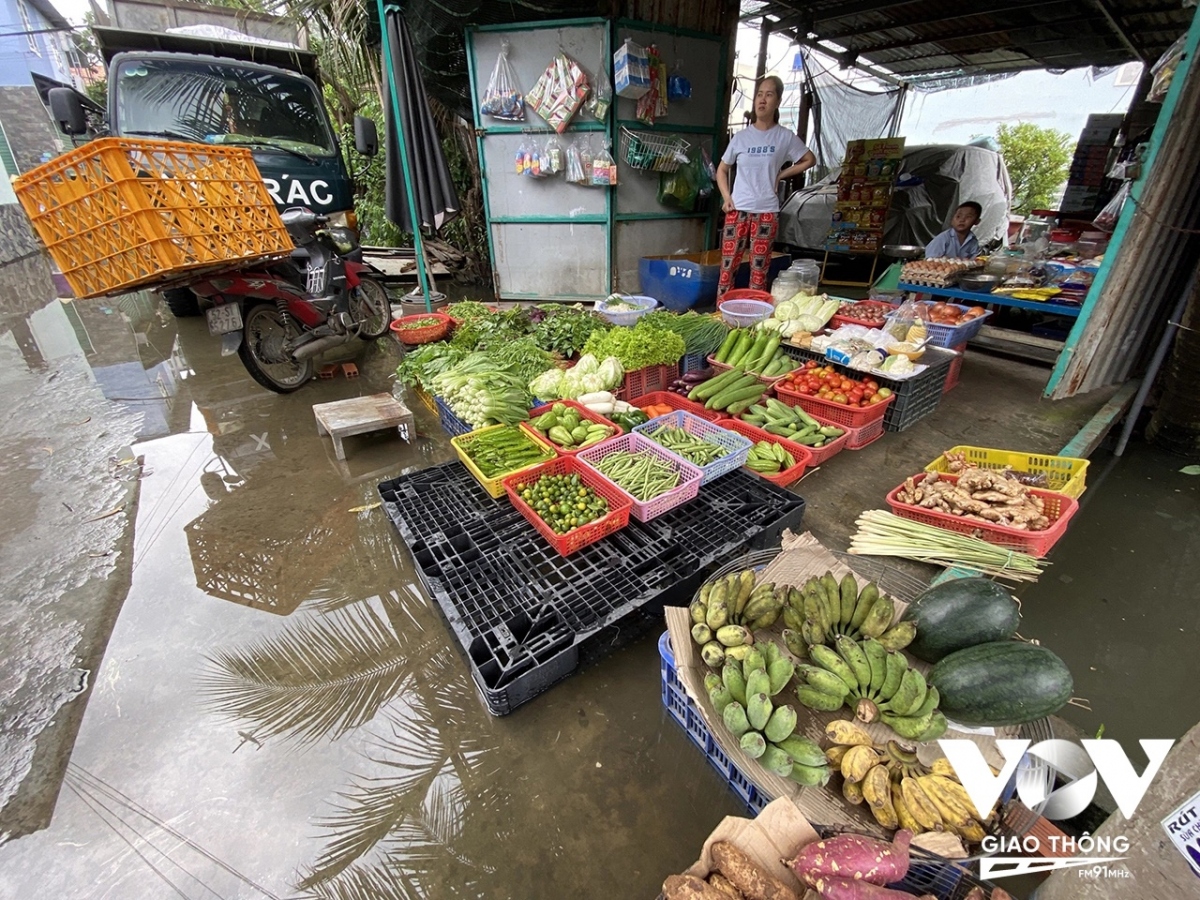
[
  {"x": 949, "y": 175},
  {"x": 436, "y": 199}
]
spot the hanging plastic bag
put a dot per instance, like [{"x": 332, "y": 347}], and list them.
[
  {"x": 1164, "y": 70},
  {"x": 702, "y": 174},
  {"x": 577, "y": 171},
  {"x": 502, "y": 100},
  {"x": 653, "y": 104},
  {"x": 553, "y": 158},
  {"x": 604, "y": 170},
  {"x": 631, "y": 70},
  {"x": 600, "y": 97},
  {"x": 679, "y": 87},
  {"x": 1107, "y": 218},
  {"x": 522, "y": 158},
  {"x": 678, "y": 189},
  {"x": 560, "y": 92},
  {"x": 536, "y": 169}
]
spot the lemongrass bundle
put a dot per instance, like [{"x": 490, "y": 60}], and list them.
[{"x": 882, "y": 533}]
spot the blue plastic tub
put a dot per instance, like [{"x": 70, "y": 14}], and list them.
[{"x": 683, "y": 281}]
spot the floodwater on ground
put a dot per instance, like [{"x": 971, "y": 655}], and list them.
[{"x": 281, "y": 712}]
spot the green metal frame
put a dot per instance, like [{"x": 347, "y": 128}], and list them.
[
  {"x": 1165, "y": 115},
  {"x": 405, "y": 165},
  {"x": 610, "y": 217}
]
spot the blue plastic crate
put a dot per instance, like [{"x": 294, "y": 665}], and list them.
[
  {"x": 693, "y": 362},
  {"x": 683, "y": 710},
  {"x": 738, "y": 446},
  {"x": 451, "y": 424}
]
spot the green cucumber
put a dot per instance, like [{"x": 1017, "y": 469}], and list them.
[
  {"x": 730, "y": 396},
  {"x": 742, "y": 347},
  {"x": 706, "y": 389},
  {"x": 726, "y": 346}
]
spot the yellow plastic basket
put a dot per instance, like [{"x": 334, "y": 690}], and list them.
[
  {"x": 495, "y": 486},
  {"x": 121, "y": 213},
  {"x": 1064, "y": 474}
]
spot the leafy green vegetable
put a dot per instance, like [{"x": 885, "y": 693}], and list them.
[
  {"x": 481, "y": 392},
  {"x": 701, "y": 334},
  {"x": 421, "y": 365},
  {"x": 637, "y": 347},
  {"x": 565, "y": 329},
  {"x": 466, "y": 310},
  {"x": 521, "y": 357},
  {"x": 491, "y": 330}
]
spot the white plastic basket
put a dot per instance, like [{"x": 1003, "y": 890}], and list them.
[{"x": 626, "y": 316}]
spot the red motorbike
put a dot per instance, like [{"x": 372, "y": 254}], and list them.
[{"x": 280, "y": 318}]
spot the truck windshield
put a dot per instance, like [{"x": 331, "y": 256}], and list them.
[{"x": 210, "y": 103}]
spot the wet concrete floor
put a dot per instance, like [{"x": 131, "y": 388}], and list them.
[{"x": 280, "y": 712}]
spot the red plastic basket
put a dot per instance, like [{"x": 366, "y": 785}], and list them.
[
  {"x": 617, "y": 517},
  {"x": 425, "y": 335},
  {"x": 689, "y": 476},
  {"x": 772, "y": 379},
  {"x": 955, "y": 372},
  {"x": 838, "y": 413},
  {"x": 789, "y": 476},
  {"x": 584, "y": 413},
  {"x": 457, "y": 321},
  {"x": 839, "y": 320},
  {"x": 677, "y": 401},
  {"x": 857, "y": 438},
  {"x": 1058, "y": 509},
  {"x": 746, "y": 294},
  {"x": 641, "y": 382},
  {"x": 819, "y": 454}
]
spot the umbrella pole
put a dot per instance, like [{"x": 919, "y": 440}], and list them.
[{"x": 405, "y": 167}]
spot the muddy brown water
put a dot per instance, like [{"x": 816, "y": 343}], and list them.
[{"x": 280, "y": 711}]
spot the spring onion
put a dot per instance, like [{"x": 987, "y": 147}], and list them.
[{"x": 882, "y": 533}]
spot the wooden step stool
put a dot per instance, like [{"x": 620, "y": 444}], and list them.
[{"x": 359, "y": 415}]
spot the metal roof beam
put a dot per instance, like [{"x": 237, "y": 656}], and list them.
[
  {"x": 862, "y": 67},
  {"x": 1118, "y": 26},
  {"x": 967, "y": 35},
  {"x": 967, "y": 13}
]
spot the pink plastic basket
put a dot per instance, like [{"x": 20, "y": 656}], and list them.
[
  {"x": 689, "y": 476},
  {"x": 1058, "y": 509},
  {"x": 857, "y": 438}
]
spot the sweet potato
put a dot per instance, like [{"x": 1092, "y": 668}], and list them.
[
  {"x": 832, "y": 888},
  {"x": 856, "y": 857},
  {"x": 976, "y": 893},
  {"x": 1000, "y": 894},
  {"x": 745, "y": 875},
  {"x": 723, "y": 884},
  {"x": 689, "y": 887}
]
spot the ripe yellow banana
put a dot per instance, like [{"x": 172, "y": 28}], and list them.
[
  {"x": 951, "y": 811},
  {"x": 857, "y": 762},
  {"x": 921, "y": 807},
  {"x": 852, "y": 792},
  {"x": 847, "y": 733},
  {"x": 942, "y": 767},
  {"x": 903, "y": 814},
  {"x": 835, "y": 754},
  {"x": 877, "y": 791}
]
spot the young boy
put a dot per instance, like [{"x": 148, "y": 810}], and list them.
[{"x": 957, "y": 241}]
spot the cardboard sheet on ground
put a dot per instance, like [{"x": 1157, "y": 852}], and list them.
[{"x": 801, "y": 558}]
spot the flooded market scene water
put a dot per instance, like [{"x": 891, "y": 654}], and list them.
[{"x": 651, "y": 451}]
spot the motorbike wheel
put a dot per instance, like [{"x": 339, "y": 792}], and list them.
[
  {"x": 371, "y": 309},
  {"x": 262, "y": 353}
]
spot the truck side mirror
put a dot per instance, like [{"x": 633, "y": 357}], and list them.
[
  {"x": 67, "y": 111},
  {"x": 366, "y": 138}
]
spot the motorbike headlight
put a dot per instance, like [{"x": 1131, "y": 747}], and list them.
[{"x": 344, "y": 239}]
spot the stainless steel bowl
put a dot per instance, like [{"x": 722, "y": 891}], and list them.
[
  {"x": 980, "y": 282},
  {"x": 903, "y": 251}
]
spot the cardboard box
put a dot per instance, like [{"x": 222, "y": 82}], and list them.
[{"x": 801, "y": 558}]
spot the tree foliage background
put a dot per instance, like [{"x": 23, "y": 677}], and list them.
[{"x": 1038, "y": 160}]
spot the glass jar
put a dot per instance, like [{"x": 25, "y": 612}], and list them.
[
  {"x": 785, "y": 286},
  {"x": 808, "y": 274}
]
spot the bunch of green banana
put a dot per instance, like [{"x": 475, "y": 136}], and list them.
[
  {"x": 825, "y": 609},
  {"x": 727, "y": 612},
  {"x": 898, "y": 789},
  {"x": 876, "y": 683},
  {"x": 742, "y": 694},
  {"x": 769, "y": 459}
]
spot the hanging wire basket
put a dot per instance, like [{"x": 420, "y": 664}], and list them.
[{"x": 651, "y": 152}]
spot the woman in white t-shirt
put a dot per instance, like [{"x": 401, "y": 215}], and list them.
[{"x": 752, "y": 207}]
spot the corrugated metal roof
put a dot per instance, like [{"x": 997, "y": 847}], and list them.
[{"x": 917, "y": 37}]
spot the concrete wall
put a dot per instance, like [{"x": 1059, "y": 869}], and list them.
[{"x": 142, "y": 15}]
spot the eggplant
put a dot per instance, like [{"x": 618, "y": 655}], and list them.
[{"x": 694, "y": 378}]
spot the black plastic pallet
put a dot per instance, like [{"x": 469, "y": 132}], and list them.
[{"x": 527, "y": 617}]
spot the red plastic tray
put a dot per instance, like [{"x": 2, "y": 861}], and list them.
[
  {"x": 641, "y": 382},
  {"x": 955, "y": 373},
  {"x": 1058, "y": 509},
  {"x": 678, "y": 401},
  {"x": 838, "y": 413},
  {"x": 584, "y": 413},
  {"x": 689, "y": 476},
  {"x": 857, "y": 438},
  {"x": 789, "y": 476},
  {"x": 617, "y": 517}
]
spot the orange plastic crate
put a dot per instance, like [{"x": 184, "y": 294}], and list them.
[
  {"x": 122, "y": 213},
  {"x": 617, "y": 517}
]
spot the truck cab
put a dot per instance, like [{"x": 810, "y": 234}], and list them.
[{"x": 202, "y": 90}]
